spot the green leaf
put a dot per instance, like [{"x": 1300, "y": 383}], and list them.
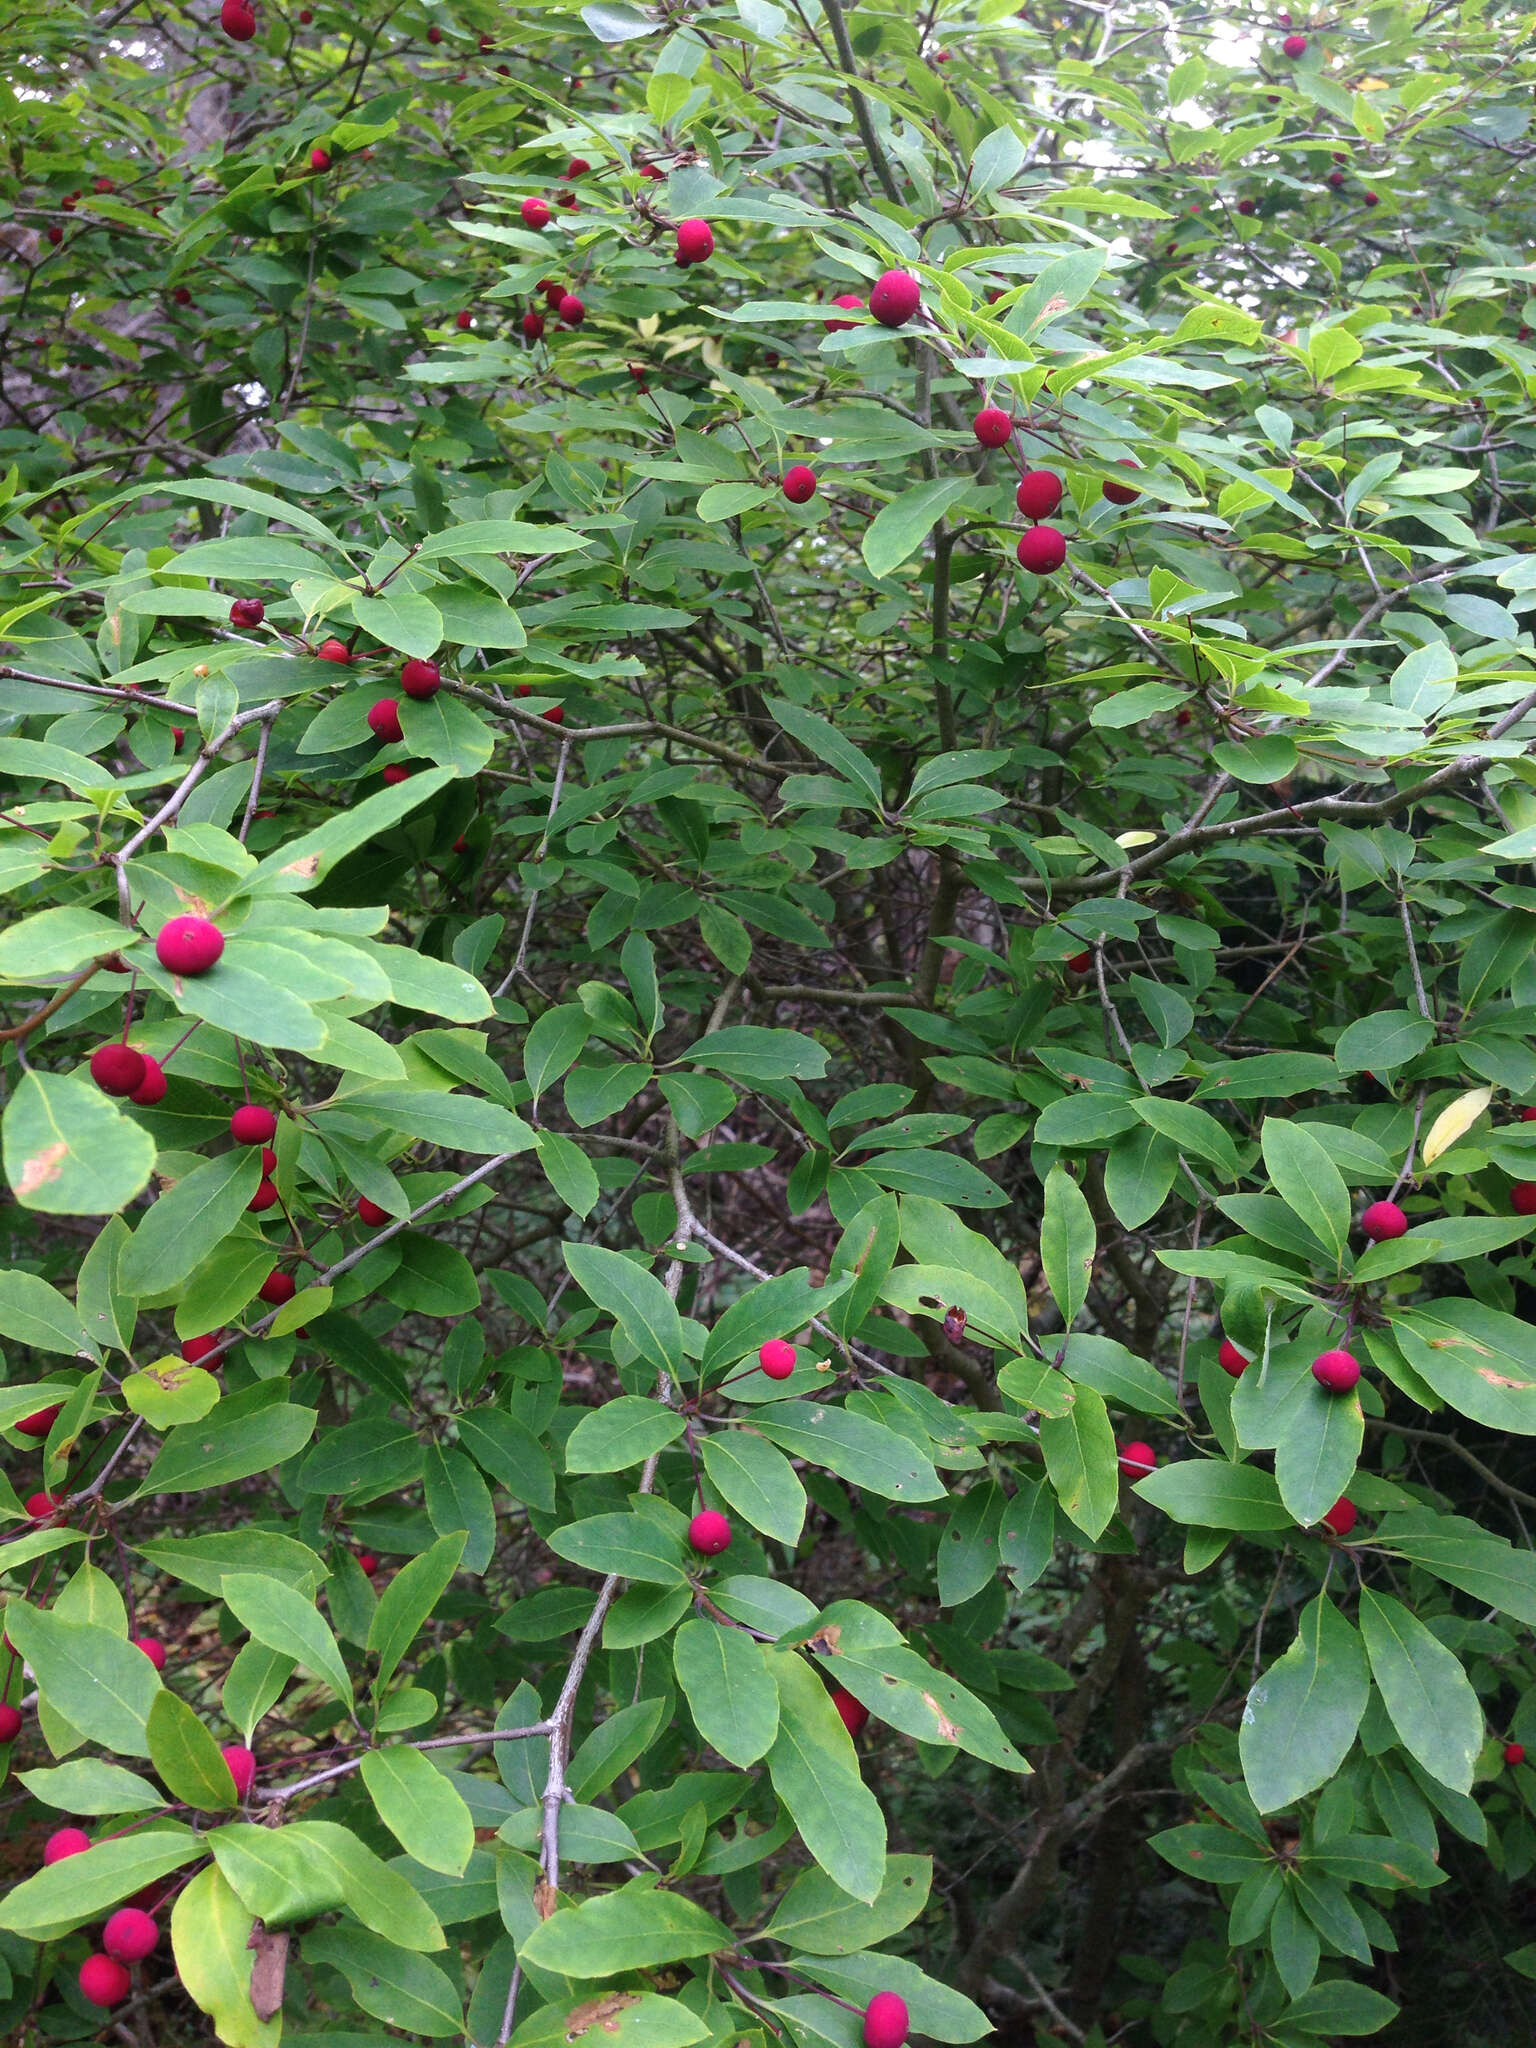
[
  {"x": 89, "y": 1786},
  {"x": 1475, "y": 1357},
  {"x": 815, "y": 1772},
  {"x": 620, "y": 2019},
  {"x": 862, "y": 1452},
  {"x": 636, "y": 1299},
  {"x": 730, "y": 1690},
  {"x": 404, "y": 619},
  {"x": 1424, "y": 1689},
  {"x": 35, "y": 1314},
  {"x": 69, "y": 1150},
  {"x": 1377, "y": 1044},
  {"x": 1082, "y": 1461},
  {"x": 202, "y": 1561},
  {"x": 1300, "y": 1720},
  {"x": 101, "y": 1685},
  {"x": 569, "y": 1172},
  {"x": 309, "y": 859},
  {"x": 225, "y": 1447},
  {"x": 1211, "y": 1494},
  {"x": 57, "y": 941},
  {"x": 406, "y": 1602},
  {"x": 773, "y": 1308},
  {"x": 508, "y": 1449},
  {"x": 633, "y": 1928},
  {"x": 310, "y": 1866},
  {"x": 402, "y": 1989},
  {"x": 462, "y": 1123},
  {"x": 210, "y": 1936},
  {"x": 553, "y": 1045},
  {"x": 56, "y": 1899},
  {"x": 1318, "y": 1450},
  {"x": 187, "y": 1757},
  {"x": 754, "y": 1477},
  {"x": 447, "y": 732},
  {"x": 1339, "y": 2007},
  {"x": 749, "y": 1052},
  {"x": 819, "y": 1917},
  {"x": 630, "y": 1545},
  {"x": 289, "y": 1622},
  {"x": 621, "y": 1433},
  {"x": 421, "y": 1809},
  {"x": 825, "y": 742},
  {"x": 900, "y": 528},
  {"x": 169, "y": 1392},
  {"x": 1307, "y": 1181},
  {"x": 189, "y": 1219}
]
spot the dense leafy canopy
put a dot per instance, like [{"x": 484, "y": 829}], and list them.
[{"x": 818, "y": 921}]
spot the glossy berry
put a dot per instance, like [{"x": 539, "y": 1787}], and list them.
[
  {"x": 556, "y": 716},
  {"x": 535, "y": 213},
  {"x": 895, "y": 297},
  {"x": 1336, "y": 179},
  {"x": 1528, "y": 1114},
  {"x": 56, "y": 233},
  {"x": 268, "y": 1162},
  {"x": 154, "y": 1650},
  {"x": 40, "y": 1423},
  {"x": 65, "y": 1842},
  {"x": 463, "y": 318},
  {"x": 253, "y": 1124},
  {"x": 334, "y": 650},
  {"x": 104, "y": 1981},
  {"x": 237, "y": 20},
  {"x": 1137, "y": 1459},
  {"x": 1383, "y": 1220},
  {"x": 852, "y": 1713},
  {"x": 777, "y": 1358},
  {"x": 242, "y": 1766},
  {"x": 117, "y": 1069},
  {"x": 188, "y": 945},
  {"x": 1514, "y": 1752},
  {"x": 195, "y": 1349},
  {"x": 384, "y": 720},
  {"x": 367, "y": 1563},
  {"x": 10, "y": 1724},
  {"x": 264, "y": 1198},
  {"x": 1122, "y": 494},
  {"x": 993, "y": 427},
  {"x": 182, "y": 297},
  {"x": 1342, "y": 1516},
  {"x": 533, "y": 326},
  {"x": 1042, "y": 550},
  {"x": 434, "y": 34},
  {"x": 571, "y": 310},
  {"x": 695, "y": 242},
  {"x": 319, "y": 159},
  {"x": 1338, "y": 1371},
  {"x": 277, "y": 1288},
  {"x": 1231, "y": 1360},
  {"x": 885, "y": 2021},
  {"x": 1247, "y": 206},
  {"x": 421, "y": 679},
  {"x": 1038, "y": 494},
  {"x": 799, "y": 484},
  {"x": 553, "y": 292},
  {"x": 1080, "y": 963},
  {"x": 130, "y": 1935},
  {"x": 1372, "y": 198},
  {"x": 245, "y": 611},
  {"x": 41, "y": 1505},
  {"x": 370, "y": 1213},
  {"x": 1522, "y": 1197},
  {"x": 851, "y": 303},
  {"x": 1295, "y": 46},
  {"x": 153, "y": 1086},
  {"x": 709, "y": 1533},
  {"x": 395, "y": 774}
]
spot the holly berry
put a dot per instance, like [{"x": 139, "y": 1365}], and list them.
[
  {"x": 535, "y": 213},
  {"x": 1038, "y": 494},
  {"x": 1247, "y": 206},
  {"x": 182, "y": 297},
  {"x": 117, "y": 1069},
  {"x": 56, "y": 233},
  {"x": 277, "y": 1288},
  {"x": 852, "y": 303},
  {"x": 553, "y": 292},
  {"x": 894, "y": 298},
  {"x": 777, "y": 1358},
  {"x": 1371, "y": 198},
  {"x": 65, "y": 1842},
  {"x": 188, "y": 945},
  {"x": 245, "y": 611},
  {"x": 153, "y": 1086},
  {"x": 1042, "y": 550},
  {"x": 885, "y": 2021},
  {"x": 799, "y": 484},
  {"x": 1342, "y": 1516},
  {"x": 852, "y": 1713},
  {"x": 130, "y": 1935},
  {"x": 40, "y": 1423},
  {"x": 154, "y": 1650},
  {"x": 993, "y": 427},
  {"x": 578, "y": 167},
  {"x": 1383, "y": 1220},
  {"x": 1137, "y": 1459},
  {"x": 695, "y": 242},
  {"x": 370, "y": 1213},
  {"x": 242, "y": 1766},
  {"x": 434, "y": 34},
  {"x": 384, "y": 720},
  {"x": 1080, "y": 963},
  {"x": 709, "y": 1533},
  {"x": 571, "y": 310},
  {"x": 556, "y": 716},
  {"x": 1337, "y": 1371},
  {"x": 10, "y": 1724},
  {"x": 421, "y": 679},
  {"x": 1231, "y": 1360},
  {"x": 104, "y": 1981}
]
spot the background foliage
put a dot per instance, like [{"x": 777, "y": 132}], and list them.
[{"x": 786, "y": 920}]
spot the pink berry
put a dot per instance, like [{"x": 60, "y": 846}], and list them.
[
  {"x": 384, "y": 720},
  {"x": 65, "y": 1842},
  {"x": 571, "y": 310},
  {"x": 709, "y": 1532},
  {"x": 40, "y": 1506},
  {"x": 367, "y": 1563},
  {"x": 130, "y": 1935},
  {"x": 799, "y": 484},
  {"x": 695, "y": 242},
  {"x": 1137, "y": 1459},
  {"x": 253, "y": 1124},
  {"x": 533, "y": 327},
  {"x": 10, "y": 1724},
  {"x": 153, "y": 1649},
  {"x": 264, "y": 1198},
  {"x": 1514, "y": 1752},
  {"x": 104, "y": 1981},
  {"x": 421, "y": 679},
  {"x": 237, "y": 20},
  {"x": 1383, "y": 1220},
  {"x": 851, "y": 303},
  {"x": 895, "y": 297},
  {"x": 394, "y": 774},
  {"x": 319, "y": 159},
  {"x": 153, "y": 1086},
  {"x": 334, "y": 650},
  {"x": 117, "y": 1069},
  {"x": 1231, "y": 1360},
  {"x": 993, "y": 427},
  {"x": 1042, "y": 550},
  {"x": 1295, "y": 46},
  {"x": 535, "y": 213},
  {"x": 242, "y": 1766},
  {"x": 188, "y": 945},
  {"x": 1338, "y": 1371},
  {"x": 1038, "y": 494},
  {"x": 885, "y": 2021},
  {"x": 777, "y": 1358}
]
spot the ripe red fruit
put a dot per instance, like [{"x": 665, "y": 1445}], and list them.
[
  {"x": 799, "y": 484},
  {"x": 104, "y": 1981},
  {"x": 993, "y": 426},
  {"x": 245, "y": 611},
  {"x": 1383, "y": 1220},
  {"x": 1038, "y": 494},
  {"x": 154, "y": 1650},
  {"x": 55, "y": 235},
  {"x": 553, "y": 292},
  {"x": 1336, "y": 1370},
  {"x": 10, "y": 1724},
  {"x": 463, "y": 318},
  {"x": 895, "y": 297},
  {"x": 1514, "y": 1752},
  {"x": 1042, "y": 550},
  {"x": 1342, "y": 1516},
  {"x": 487, "y": 43},
  {"x": 533, "y": 326},
  {"x": 253, "y": 1124},
  {"x": 1528, "y": 1114},
  {"x": 264, "y": 1198},
  {"x": 1137, "y": 1459},
  {"x": 370, "y": 1213},
  {"x": 566, "y": 199},
  {"x": 130, "y": 1935},
  {"x": 853, "y": 304},
  {"x": 65, "y": 1842},
  {"x": 885, "y": 2021},
  {"x": 1295, "y": 46},
  {"x": 384, "y": 719},
  {"x": 367, "y": 1563},
  {"x": 319, "y": 159},
  {"x": 153, "y": 1086},
  {"x": 117, "y": 1069},
  {"x": 434, "y": 34},
  {"x": 572, "y": 312},
  {"x": 853, "y": 1713},
  {"x": 1372, "y": 198},
  {"x": 334, "y": 650},
  {"x": 188, "y": 945},
  {"x": 305, "y": 17},
  {"x": 421, "y": 679},
  {"x": 709, "y": 1533},
  {"x": 1522, "y": 1197},
  {"x": 41, "y": 1505},
  {"x": 40, "y": 1423},
  {"x": 268, "y": 1162},
  {"x": 1122, "y": 494},
  {"x": 777, "y": 1358},
  {"x": 183, "y": 297},
  {"x": 576, "y": 168},
  {"x": 178, "y": 737},
  {"x": 102, "y": 185},
  {"x": 237, "y": 20},
  {"x": 535, "y": 213},
  {"x": 394, "y": 775},
  {"x": 1080, "y": 963},
  {"x": 695, "y": 242},
  {"x": 1336, "y": 179},
  {"x": 277, "y": 1288},
  {"x": 1247, "y": 206},
  {"x": 1231, "y": 1360},
  {"x": 651, "y": 172},
  {"x": 242, "y": 1766},
  {"x": 196, "y": 1349}
]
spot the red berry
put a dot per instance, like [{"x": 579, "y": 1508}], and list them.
[
  {"x": 487, "y": 43},
  {"x": 10, "y": 1724},
  {"x": 253, "y": 1124},
  {"x": 195, "y": 1349},
  {"x": 65, "y": 1842},
  {"x": 463, "y": 318},
  {"x": 533, "y": 326},
  {"x": 41, "y": 1505},
  {"x": 1247, "y": 206},
  {"x": 1231, "y": 1360},
  {"x": 1335, "y": 179},
  {"x": 1528, "y": 1115},
  {"x": 367, "y": 1563},
  {"x": 130, "y": 1935},
  {"x": 245, "y": 611},
  {"x": 268, "y": 1162},
  {"x": 799, "y": 484},
  {"x": 556, "y": 716},
  {"x": 1080, "y": 963},
  {"x": 553, "y": 292},
  {"x": 395, "y": 774},
  {"x": 853, "y": 1713},
  {"x": 535, "y": 213},
  {"x": 153, "y": 1086},
  {"x": 154, "y": 1650},
  {"x": 651, "y": 172},
  {"x": 1038, "y": 494},
  {"x": 182, "y": 297},
  {"x": 1342, "y": 1516},
  {"x": 178, "y": 738},
  {"x": 993, "y": 426},
  {"x": 695, "y": 242},
  {"x": 117, "y": 1069},
  {"x": 777, "y": 1358},
  {"x": 237, "y": 20},
  {"x": 895, "y": 297},
  {"x": 188, "y": 945},
  {"x": 421, "y": 678},
  {"x": 1295, "y": 46},
  {"x": 572, "y": 312},
  {"x": 370, "y": 1213},
  {"x": 885, "y": 2021},
  {"x": 102, "y": 185},
  {"x": 319, "y": 159},
  {"x": 56, "y": 233},
  {"x": 1372, "y": 198},
  {"x": 565, "y": 199},
  {"x": 277, "y": 1288},
  {"x": 334, "y": 650},
  {"x": 434, "y": 34},
  {"x": 578, "y": 167},
  {"x": 1383, "y": 1220},
  {"x": 264, "y": 1198},
  {"x": 1338, "y": 1371},
  {"x": 384, "y": 720},
  {"x": 1522, "y": 1197},
  {"x": 305, "y": 17},
  {"x": 709, "y": 1533},
  {"x": 1042, "y": 550},
  {"x": 1122, "y": 494},
  {"x": 1514, "y": 1752},
  {"x": 40, "y": 1423},
  {"x": 853, "y": 304},
  {"x": 242, "y": 1766},
  {"x": 104, "y": 1981},
  {"x": 1137, "y": 1459}
]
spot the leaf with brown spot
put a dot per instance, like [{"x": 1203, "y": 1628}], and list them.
[
  {"x": 269, "y": 1971},
  {"x": 599, "y": 2012}
]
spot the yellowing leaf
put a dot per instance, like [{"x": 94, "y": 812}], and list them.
[
  {"x": 210, "y": 1930},
  {"x": 1454, "y": 1121}
]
